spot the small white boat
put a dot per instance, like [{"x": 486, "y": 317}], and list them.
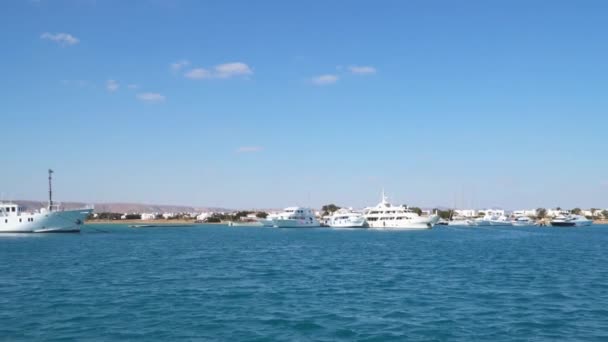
[
  {"x": 461, "y": 223},
  {"x": 346, "y": 218},
  {"x": 386, "y": 216},
  {"x": 295, "y": 217},
  {"x": 571, "y": 220},
  {"x": 523, "y": 221}
]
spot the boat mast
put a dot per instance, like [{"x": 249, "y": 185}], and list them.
[{"x": 50, "y": 190}]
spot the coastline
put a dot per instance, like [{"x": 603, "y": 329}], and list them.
[{"x": 147, "y": 222}]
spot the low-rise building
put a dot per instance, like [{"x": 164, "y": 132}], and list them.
[
  {"x": 148, "y": 216},
  {"x": 525, "y": 212},
  {"x": 465, "y": 212}
]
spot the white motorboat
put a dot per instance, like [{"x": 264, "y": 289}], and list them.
[
  {"x": 53, "y": 219},
  {"x": 492, "y": 219},
  {"x": 295, "y": 217},
  {"x": 461, "y": 223},
  {"x": 523, "y": 221},
  {"x": 386, "y": 216},
  {"x": 347, "y": 218},
  {"x": 571, "y": 220}
]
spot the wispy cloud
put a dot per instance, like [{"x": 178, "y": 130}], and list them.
[
  {"x": 324, "y": 79},
  {"x": 362, "y": 70},
  {"x": 179, "y": 65},
  {"x": 63, "y": 39},
  {"x": 112, "y": 85},
  {"x": 197, "y": 74},
  {"x": 249, "y": 149},
  {"x": 226, "y": 70},
  {"x": 151, "y": 97}
]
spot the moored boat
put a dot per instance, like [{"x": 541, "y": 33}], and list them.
[
  {"x": 53, "y": 219},
  {"x": 386, "y": 216},
  {"x": 295, "y": 217},
  {"x": 346, "y": 218},
  {"x": 571, "y": 220}
]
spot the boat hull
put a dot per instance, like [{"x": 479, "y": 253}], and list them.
[
  {"x": 67, "y": 221},
  {"x": 571, "y": 224},
  {"x": 412, "y": 224},
  {"x": 356, "y": 223},
  {"x": 287, "y": 223}
]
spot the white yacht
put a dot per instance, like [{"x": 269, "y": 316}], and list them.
[
  {"x": 47, "y": 220},
  {"x": 386, "y": 216},
  {"x": 347, "y": 218},
  {"x": 492, "y": 219},
  {"x": 523, "y": 221},
  {"x": 461, "y": 222},
  {"x": 295, "y": 217},
  {"x": 571, "y": 220}
]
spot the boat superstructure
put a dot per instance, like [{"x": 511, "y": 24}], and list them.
[
  {"x": 347, "y": 218},
  {"x": 386, "y": 216},
  {"x": 13, "y": 219},
  {"x": 295, "y": 217},
  {"x": 523, "y": 221}
]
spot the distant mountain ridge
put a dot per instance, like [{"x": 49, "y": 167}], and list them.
[{"x": 123, "y": 207}]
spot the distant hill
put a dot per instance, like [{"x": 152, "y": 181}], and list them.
[{"x": 125, "y": 207}]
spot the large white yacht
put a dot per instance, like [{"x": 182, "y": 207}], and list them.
[
  {"x": 347, "y": 218},
  {"x": 295, "y": 217},
  {"x": 571, "y": 220},
  {"x": 47, "y": 220},
  {"x": 386, "y": 216}
]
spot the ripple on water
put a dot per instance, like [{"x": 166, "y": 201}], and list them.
[{"x": 267, "y": 284}]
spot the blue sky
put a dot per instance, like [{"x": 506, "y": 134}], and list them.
[{"x": 274, "y": 103}]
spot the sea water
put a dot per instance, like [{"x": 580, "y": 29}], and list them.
[{"x": 267, "y": 284}]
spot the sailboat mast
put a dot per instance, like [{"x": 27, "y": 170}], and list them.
[{"x": 50, "y": 190}]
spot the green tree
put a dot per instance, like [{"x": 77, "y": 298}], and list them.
[
  {"x": 133, "y": 217},
  {"x": 605, "y": 214},
  {"x": 261, "y": 214},
  {"x": 329, "y": 209},
  {"x": 541, "y": 213},
  {"x": 416, "y": 210},
  {"x": 576, "y": 211}
]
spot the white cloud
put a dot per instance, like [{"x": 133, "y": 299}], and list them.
[
  {"x": 151, "y": 97},
  {"x": 249, "y": 149},
  {"x": 133, "y": 86},
  {"x": 226, "y": 70},
  {"x": 112, "y": 85},
  {"x": 63, "y": 39},
  {"x": 198, "y": 74},
  {"x": 362, "y": 70},
  {"x": 325, "y": 79},
  {"x": 179, "y": 65}
]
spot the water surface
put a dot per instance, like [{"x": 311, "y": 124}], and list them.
[{"x": 262, "y": 284}]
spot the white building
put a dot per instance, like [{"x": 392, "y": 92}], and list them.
[
  {"x": 465, "y": 212},
  {"x": 203, "y": 216},
  {"x": 167, "y": 216},
  {"x": 148, "y": 216},
  {"x": 493, "y": 212},
  {"x": 596, "y": 214},
  {"x": 525, "y": 212}
]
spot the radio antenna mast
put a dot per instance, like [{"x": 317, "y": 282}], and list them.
[{"x": 50, "y": 190}]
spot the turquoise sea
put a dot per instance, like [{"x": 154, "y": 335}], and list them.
[{"x": 265, "y": 284}]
